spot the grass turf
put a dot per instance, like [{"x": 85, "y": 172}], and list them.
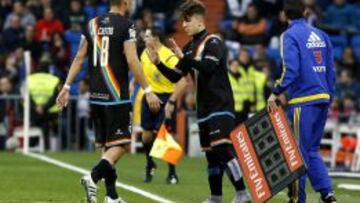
[{"x": 24, "y": 179}]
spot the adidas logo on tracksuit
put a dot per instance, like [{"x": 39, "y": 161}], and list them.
[{"x": 314, "y": 41}]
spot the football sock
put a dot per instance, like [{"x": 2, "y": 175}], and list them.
[
  {"x": 171, "y": 169},
  {"x": 149, "y": 159},
  {"x": 230, "y": 163},
  {"x": 234, "y": 173},
  {"x": 215, "y": 174},
  {"x": 110, "y": 181},
  {"x": 98, "y": 172}
]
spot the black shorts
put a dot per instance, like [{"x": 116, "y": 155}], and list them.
[
  {"x": 216, "y": 131},
  {"x": 153, "y": 121},
  {"x": 111, "y": 124}
]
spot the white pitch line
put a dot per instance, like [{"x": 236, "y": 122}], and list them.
[
  {"x": 349, "y": 186},
  {"x": 344, "y": 174},
  {"x": 84, "y": 171}
]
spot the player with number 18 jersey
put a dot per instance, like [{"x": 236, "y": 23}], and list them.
[
  {"x": 109, "y": 82},
  {"x": 108, "y": 66}
]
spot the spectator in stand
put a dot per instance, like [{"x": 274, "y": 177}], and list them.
[
  {"x": 43, "y": 89},
  {"x": 252, "y": 84},
  {"x": 46, "y": 4},
  {"x": 236, "y": 85},
  {"x": 5, "y": 9},
  {"x": 349, "y": 62},
  {"x": 348, "y": 110},
  {"x": 146, "y": 20},
  {"x": 314, "y": 13},
  {"x": 35, "y": 8},
  {"x": 46, "y": 63},
  {"x": 13, "y": 36},
  {"x": 31, "y": 44},
  {"x": 236, "y": 8},
  {"x": 76, "y": 14},
  {"x": 279, "y": 25},
  {"x": 59, "y": 53},
  {"x": 6, "y": 106},
  {"x": 6, "y": 87},
  {"x": 58, "y": 8},
  {"x": 340, "y": 17},
  {"x": 261, "y": 59},
  {"x": 163, "y": 15},
  {"x": 347, "y": 86},
  {"x": 20, "y": 65},
  {"x": 10, "y": 69},
  {"x": 26, "y": 17},
  {"x": 260, "y": 52},
  {"x": 251, "y": 29},
  {"x": 47, "y": 26}
]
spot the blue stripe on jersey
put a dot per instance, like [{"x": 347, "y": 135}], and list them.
[
  {"x": 221, "y": 113},
  {"x": 110, "y": 103}
]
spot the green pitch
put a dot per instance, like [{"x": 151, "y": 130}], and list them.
[{"x": 25, "y": 179}]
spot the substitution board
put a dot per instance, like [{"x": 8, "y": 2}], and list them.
[{"x": 268, "y": 154}]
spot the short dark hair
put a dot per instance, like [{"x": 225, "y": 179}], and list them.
[
  {"x": 156, "y": 32},
  {"x": 294, "y": 9},
  {"x": 192, "y": 7}
]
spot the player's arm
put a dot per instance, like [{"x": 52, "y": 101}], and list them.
[
  {"x": 64, "y": 95},
  {"x": 135, "y": 68},
  {"x": 330, "y": 72},
  {"x": 171, "y": 61},
  {"x": 174, "y": 75},
  {"x": 213, "y": 51},
  {"x": 291, "y": 62},
  {"x": 77, "y": 62},
  {"x": 167, "y": 67},
  {"x": 178, "y": 91}
]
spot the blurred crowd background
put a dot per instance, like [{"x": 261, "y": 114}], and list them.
[{"x": 51, "y": 30}]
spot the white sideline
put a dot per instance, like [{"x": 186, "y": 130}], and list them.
[
  {"x": 344, "y": 174},
  {"x": 83, "y": 171},
  {"x": 349, "y": 186}
]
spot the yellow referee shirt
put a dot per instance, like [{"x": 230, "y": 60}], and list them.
[{"x": 158, "y": 82}]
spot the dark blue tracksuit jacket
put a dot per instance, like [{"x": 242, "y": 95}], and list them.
[{"x": 309, "y": 78}]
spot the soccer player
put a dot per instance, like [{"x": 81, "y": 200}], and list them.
[
  {"x": 109, "y": 40},
  {"x": 205, "y": 57},
  {"x": 163, "y": 88},
  {"x": 309, "y": 78}
]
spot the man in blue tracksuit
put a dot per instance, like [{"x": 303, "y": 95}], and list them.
[{"x": 309, "y": 78}]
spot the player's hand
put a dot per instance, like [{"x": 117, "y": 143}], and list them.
[
  {"x": 169, "y": 109},
  {"x": 271, "y": 103},
  {"x": 62, "y": 99},
  {"x": 153, "y": 101},
  {"x": 175, "y": 48}
]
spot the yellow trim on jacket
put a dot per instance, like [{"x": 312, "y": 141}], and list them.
[{"x": 309, "y": 98}]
